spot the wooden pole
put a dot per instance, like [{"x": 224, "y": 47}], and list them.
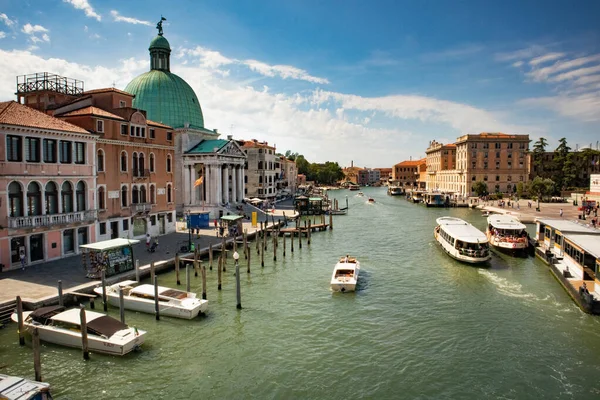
[
  {"x": 238, "y": 292},
  {"x": 308, "y": 233},
  {"x": 257, "y": 238},
  {"x": 104, "y": 302},
  {"x": 275, "y": 248},
  {"x": 264, "y": 239},
  {"x": 292, "y": 239},
  {"x": 37, "y": 361},
  {"x": 137, "y": 270},
  {"x": 210, "y": 257},
  {"x": 121, "y": 305},
  {"x": 262, "y": 257},
  {"x": 60, "y": 293},
  {"x": 283, "y": 239},
  {"x": 156, "y": 304},
  {"x": 248, "y": 271},
  {"x": 219, "y": 271},
  {"x": 92, "y": 303},
  {"x": 300, "y": 239},
  {"x": 203, "y": 273},
  {"x": 330, "y": 221},
  {"x": 245, "y": 244},
  {"x": 196, "y": 256},
  {"x": 187, "y": 277},
  {"x": 20, "y": 329},
  {"x": 84, "y": 336},
  {"x": 152, "y": 271},
  {"x": 177, "y": 269}
]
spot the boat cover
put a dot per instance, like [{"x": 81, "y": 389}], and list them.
[
  {"x": 43, "y": 314},
  {"x": 105, "y": 326}
]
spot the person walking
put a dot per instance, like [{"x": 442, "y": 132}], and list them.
[
  {"x": 147, "y": 241},
  {"x": 22, "y": 257},
  {"x": 561, "y": 212}
]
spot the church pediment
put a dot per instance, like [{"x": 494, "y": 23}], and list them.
[{"x": 232, "y": 149}]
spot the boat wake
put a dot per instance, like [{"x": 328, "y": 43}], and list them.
[{"x": 507, "y": 288}]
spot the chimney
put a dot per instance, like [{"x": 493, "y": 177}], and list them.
[
  {"x": 215, "y": 130},
  {"x": 410, "y": 158},
  {"x": 351, "y": 163},
  {"x": 229, "y": 137}
]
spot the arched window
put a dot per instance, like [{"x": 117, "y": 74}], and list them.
[
  {"x": 101, "y": 199},
  {"x": 142, "y": 194},
  {"x": 15, "y": 198},
  {"x": 135, "y": 195},
  {"x": 169, "y": 194},
  {"x": 152, "y": 194},
  {"x": 169, "y": 163},
  {"x": 51, "y": 194},
  {"x": 134, "y": 164},
  {"x": 141, "y": 163},
  {"x": 80, "y": 196},
  {"x": 123, "y": 161},
  {"x": 34, "y": 199},
  {"x": 100, "y": 161},
  {"x": 66, "y": 195},
  {"x": 124, "y": 200},
  {"x": 151, "y": 162}
]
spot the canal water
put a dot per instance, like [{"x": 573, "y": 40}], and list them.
[{"x": 420, "y": 326}]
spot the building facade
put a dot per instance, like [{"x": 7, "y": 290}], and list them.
[
  {"x": 287, "y": 184},
  {"x": 385, "y": 175},
  {"x": 262, "y": 171},
  {"x": 47, "y": 186},
  {"x": 497, "y": 159},
  {"x": 408, "y": 173}
]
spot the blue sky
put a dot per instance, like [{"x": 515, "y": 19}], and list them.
[{"x": 371, "y": 82}]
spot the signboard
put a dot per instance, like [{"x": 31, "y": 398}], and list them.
[
  {"x": 113, "y": 194},
  {"x": 160, "y": 191},
  {"x": 254, "y": 219},
  {"x": 595, "y": 183}
]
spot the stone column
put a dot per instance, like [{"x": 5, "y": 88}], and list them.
[
  {"x": 225, "y": 172},
  {"x": 218, "y": 184},
  {"x": 243, "y": 181},
  {"x": 184, "y": 192},
  {"x": 234, "y": 193},
  {"x": 194, "y": 193},
  {"x": 240, "y": 181},
  {"x": 207, "y": 183}
]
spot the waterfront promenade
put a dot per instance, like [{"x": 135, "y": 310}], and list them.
[{"x": 528, "y": 215}]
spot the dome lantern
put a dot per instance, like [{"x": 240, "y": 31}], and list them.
[{"x": 160, "y": 50}]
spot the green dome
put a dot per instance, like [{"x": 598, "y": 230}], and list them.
[
  {"x": 167, "y": 98},
  {"x": 159, "y": 42}
]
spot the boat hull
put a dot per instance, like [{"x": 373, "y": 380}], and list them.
[
  {"x": 345, "y": 282},
  {"x": 343, "y": 287},
  {"x": 452, "y": 252}
]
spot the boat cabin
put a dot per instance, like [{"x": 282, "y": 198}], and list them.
[
  {"x": 311, "y": 205},
  {"x": 436, "y": 199}
]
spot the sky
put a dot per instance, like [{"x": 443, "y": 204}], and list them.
[{"x": 349, "y": 81}]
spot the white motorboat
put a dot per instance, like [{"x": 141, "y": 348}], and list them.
[
  {"x": 172, "y": 302},
  {"x": 395, "y": 190},
  {"x": 17, "y": 388},
  {"x": 507, "y": 233},
  {"x": 461, "y": 240},
  {"x": 106, "y": 335},
  {"x": 345, "y": 275}
]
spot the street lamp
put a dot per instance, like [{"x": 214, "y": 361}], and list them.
[{"x": 238, "y": 293}]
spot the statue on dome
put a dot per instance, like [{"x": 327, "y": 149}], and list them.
[{"x": 159, "y": 25}]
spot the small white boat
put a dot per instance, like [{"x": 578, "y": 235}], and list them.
[
  {"x": 371, "y": 200},
  {"x": 395, "y": 190},
  {"x": 353, "y": 187},
  {"x": 172, "y": 302},
  {"x": 106, "y": 335},
  {"x": 345, "y": 275},
  {"x": 507, "y": 233},
  {"x": 461, "y": 240},
  {"x": 360, "y": 194},
  {"x": 17, "y": 388}
]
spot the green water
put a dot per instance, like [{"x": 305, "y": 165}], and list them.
[{"x": 420, "y": 326}]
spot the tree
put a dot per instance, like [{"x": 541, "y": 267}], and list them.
[
  {"x": 291, "y": 156},
  {"x": 302, "y": 165},
  {"x": 539, "y": 148},
  {"x": 559, "y": 161},
  {"x": 520, "y": 189},
  {"x": 540, "y": 187},
  {"x": 480, "y": 188},
  {"x": 570, "y": 171}
]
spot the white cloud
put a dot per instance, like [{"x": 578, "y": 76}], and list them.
[
  {"x": 517, "y": 64},
  {"x": 86, "y": 7},
  {"x": 120, "y": 18},
  {"x": 85, "y": 28},
  {"x": 2, "y": 35},
  {"x": 7, "y": 21},
  {"x": 33, "y": 30},
  {"x": 545, "y": 58},
  {"x": 581, "y": 107}
]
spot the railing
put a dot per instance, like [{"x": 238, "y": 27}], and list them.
[
  {"x": 141, "y": 207},
  {"x": 52, "y": 219},
  {"x": 141, "y": 173},
  {"x": 473, "y": 253}
]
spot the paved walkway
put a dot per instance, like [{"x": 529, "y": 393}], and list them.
[
  {"x": 528, "y": 215},
  {"x": 39, "y": 282}
]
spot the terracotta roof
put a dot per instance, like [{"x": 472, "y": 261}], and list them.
[
  {"x": 412, "y": 163},
  {"x": 91, "y": 110},
  {"x": 105, "y": 90},
  {"x": 13, "y": 113},
  {"x": 493, "y": 134},
  {"x": 158, "y": 124},
  {"x": 250, "y": 144}
]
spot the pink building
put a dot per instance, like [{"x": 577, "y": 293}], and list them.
[{"x": 47, "y": 184}]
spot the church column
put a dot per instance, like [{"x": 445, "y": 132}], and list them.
[
  {"x": 209, "y": 184},
  {"x": 194, "y": 193},
  {"x": 243, "y": 181},
  {"x": 218, "y": 185},
  {"x": 226, "y": 184},
  {"x": 191, "y": 183},
  {"x": 240, "y": 182},
  {"x": 234, "y": 194},
  {"x": 186, "y": 183}
]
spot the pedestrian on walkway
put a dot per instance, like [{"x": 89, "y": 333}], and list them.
[
  {"x": 147, "y": 241},
  {"x": 561, "y": 212},
  {"x": 22, "y": 257}
]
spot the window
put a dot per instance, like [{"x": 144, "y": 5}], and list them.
[
  {"x": 103, "y": 228},
  {"x": 169, "y": 217},
  {"x": 134, "y": 164},
  {"x": 152, "y": 194},
  {"x": 153, "y": 220},
  {"x": 14, "y": 148},
  {"x": 51, "y": 195},
  {"x": 135, "y": 195},
  {"x": 32, "y": 149},
  {"x": 473, "y": 145},
  {"x": 169, "y": 136},
  {"x": 474, "y": 154},
  {"x": 80, "y": 196},
  {"x": 101, "y": 198},
  {"x": 15, "y": 199},
  {"x": 124, "y": 129},
  {"x": 125, "y": 224},
  {"x": 122, "y": 103},
  {"x": 34, "y": 199},
  {"x": 473, "y": 178},
  {"x": 474, "y": 164},
  {"x": 49, "y": 151},
  {"x": 66, "y": 194},
  {"x": 137, "y": 131},
  {"x": 509, "y": 178},
  {"x": 79, "y": 153},
  {"x": 132, "y": 131},
  {"x": 509, "y": 145},
  {"x": 141, "y": 164},
  {"x": 169, "y": 194},
  {"x": 486, "y": 146},
  {"x": 497, "y": 164},
  {"x": 509, "y": 155},
  {"x": 65, "y": 152},
  {"x": 509, "y": 164},
  {"x": 497, "y": 178},
  {"x": 485, "y": 165},
  {"x": 123, "y": 161},
  {"x": 497, "y": 154},
  {"x": 143, "y": 132},
  {"x": 151, "y": 162},
  {"x": 68, "y": 241},
  {"x": 143, "y": 198},
  {"x": 498, "y": 146},
  {"x": 100, "y": 162},
  {"x": 485, "y": 154},
  {"x": 169, "y": 163},
  {"x": 521, "y": 178},
  {"x": 123, "y": 196},
  {"x": 522, "y": 146},
  {"x": 152, "y": 134},
  {"x": 99, "y": 126},
  {"x": 485, "y": 178},
  {"x": 260, "y": 179}
]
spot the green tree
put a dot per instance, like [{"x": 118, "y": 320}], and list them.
[
  {"x": 520, "y": 189},
  {"x": 302, "y": 165},
  {"x": 541, "y": 187},
  {"x": 559, "y": 161},
  {"x": 539, "y": 148},
  {"x": 290, "y": 155},
  {"x": 480, "y": 188},
  {"x": 570, "y": 171}
]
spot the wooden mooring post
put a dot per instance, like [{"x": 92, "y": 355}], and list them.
[
  {"x": 187, "y": 277},
  {"x": 219, "y": 271},
  {"x": 262, "y": 256},
  {"x": 196, "y": 257},
  {"x": 37, "y": 359},
  {"x": 248, "y": 259},
  {"x": 203, "y": 273},
  {"x": 60, "y": 294},
  {"x": 156, "y": 303},
  {"x": 330, "y": 221},
  {"x": 245, "y": 244},
  {"x": 308, "y": 233},
  {"x": 300, "y": 238},
  {"x": 137, "y": 270},
  {"x": 177, "y": 269},
  {"x": 238, "y": 291},
  {"x": 20, "y": 328},
  {"x": 210, "y": 256},
  {"x": 274, "y": 248},
  {"x": 283, "y": 239},
  {"x": 121, "y": 305},
  {"x": 292, "y": 240},
  {"x": 104, "y": 302},
  {"x": 84, "y": 335},
  {"x": 152, "y": 272}
]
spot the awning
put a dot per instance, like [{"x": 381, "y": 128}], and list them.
[
  {"x": 232, "y": 217},
  {"x": 109, "y": 244}
]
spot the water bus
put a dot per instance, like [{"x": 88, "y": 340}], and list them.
[
  {"x": 395, "y": 190},
  {"x": 505, "y": 232},
  {"x": 461, "y": 240}
]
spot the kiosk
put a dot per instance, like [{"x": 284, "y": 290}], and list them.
[{"x": 113, "y": 256}]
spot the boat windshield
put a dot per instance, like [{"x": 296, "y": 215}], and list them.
[
  {"x": 344, "y": 272},
  {"x": 472, "y": 249}
]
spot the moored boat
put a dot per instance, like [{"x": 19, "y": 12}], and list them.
[
  {"x": 507, "y": 233},
  {"x": 172, "y": 302},
  {"x": 60, "y": 326},
  {"x": 461, "y": 240},
  {"x": 353, "y": 187},
  {"x": 395, "y": 190},
  {"x": 371, "y": 200},
  {"x": 345, "y": 275},
  {"x": 17, "y": 388}
]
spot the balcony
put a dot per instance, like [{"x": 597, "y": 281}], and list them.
[
  {"x": 33, "y": 221},
  {"x": 141, "y": 207},
  {"x": 141, "y": 173}
]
